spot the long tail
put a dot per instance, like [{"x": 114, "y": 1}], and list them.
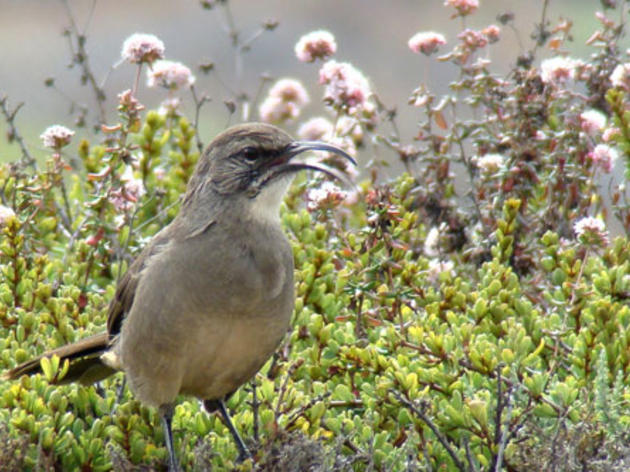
[{"x": 84, "y": 356}]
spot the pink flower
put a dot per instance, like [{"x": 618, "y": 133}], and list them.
[
  {"x": 290, "y": 90},
  {"x": 139, "y": 48},
  {"x": 473, "y": 39},
  {"x": 463, "y": 7},
  {"x": 5, "y": 214},
  {"x": 57, "y": 136},
  {"x": 346, "y": 87},
  {"x": 610, "y": 134},
  {"x": 284, "y": 102},
  {"x": 316, "y": 129},
  {"x": 558, "y": 69},
  {"x": 170, "y": 75},
  {"x": 315, "y": 45},
  {"x": 592, "y": 121},
  {"x": 130, "y": 192},
  {"x": 604, "y": 156},
  {"x": 591, "y": 231},
  {"x": 426, "y": 42},
  {"x": 620, "y": 76},
  {"x": 274, "y": 110},
  {"x": 328, "y": 195},
  {"x": 492, "y": 33}
]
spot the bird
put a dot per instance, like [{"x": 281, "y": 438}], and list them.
[{"x": 210, "y": 297}]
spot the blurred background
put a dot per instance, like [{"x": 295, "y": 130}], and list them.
[{"x": 371, "y": 34}]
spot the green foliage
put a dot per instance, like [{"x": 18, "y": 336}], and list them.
[{"x": 389, "y": 358}]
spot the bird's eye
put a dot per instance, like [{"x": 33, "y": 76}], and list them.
[{"x": 250, "y": 154}]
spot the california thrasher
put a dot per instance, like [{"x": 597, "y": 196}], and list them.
[{"x": 208, "y": 300}]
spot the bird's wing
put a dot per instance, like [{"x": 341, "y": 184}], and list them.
[{"x": 126, "y": 289}]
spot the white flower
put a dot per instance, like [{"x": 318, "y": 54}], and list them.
[
  {"x": 620, "y": 76},
  {"x": 591, "y": 231},
  {"x": 604, "y": 156},
  {"x": 437, "y": 267},
  {"x": 274, "y": 110},
  {"x": 140, "y": 47},
  {"x": 426, "y": 42},
  {"x": 490, "y": 163},
  {"x": 558, "y": 69},
  {"x": 290, "y": 90},
  {"x": 5, "y": 213},
  {"x": 593, "y": 121},
  {"x": 315, "y": 45},
  {"x": 327, "y": 194},
  {"x": 316, "y": 129},
  {"x": 170, "y": 75},
  {"x": 57, "y": 136},
  {"x": 432, "y": 242}
]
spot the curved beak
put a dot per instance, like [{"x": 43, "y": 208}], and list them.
[
  {"x": 299, "y": 147},
  {"x": 284, "y": 164}
]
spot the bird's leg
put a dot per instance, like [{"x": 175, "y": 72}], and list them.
[
  {"x": 243, "y": 452},
  {"x": 166, "y": 413}
]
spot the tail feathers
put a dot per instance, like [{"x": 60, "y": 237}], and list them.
[{"x": 84, "y": 356}]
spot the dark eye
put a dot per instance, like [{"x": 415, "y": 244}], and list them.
[{"x": 250, "y": 154}]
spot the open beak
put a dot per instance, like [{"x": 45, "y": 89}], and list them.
[{"x": 285, "y": 164}]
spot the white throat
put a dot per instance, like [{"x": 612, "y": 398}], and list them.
[{"x": 265, "y": 207}]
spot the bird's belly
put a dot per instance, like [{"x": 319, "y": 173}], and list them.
[{"x": 224, "y": 366}]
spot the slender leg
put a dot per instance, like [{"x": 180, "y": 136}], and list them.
[
  {"x": 166, "y": 412},
  {"x": 210, "y": 405}
]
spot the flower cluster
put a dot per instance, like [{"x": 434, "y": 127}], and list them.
[
  {"x": 426, "y": 42},
  {"x": 604, "y": 156},
  {"x": 170, "y": 75},
  {"x": 316, "y": 129},
  {"x": 463, "y": 7},
  {"x": 490, "y": 163},
  {"x": 620, "y": 76},
  {"x": 558, "y": 70},
  {"x": 284, "y": 102},
  {"x": 592, "y": 121},
  {"x": 346, "y": 88},
  {"x": 5, "y": 213},
  {"x": 140, "y": 48},
  {"x": 56, "y": 137},
  {"x": 327, "y": 195},
  {"x": 591, "y": 231},
  {"x": 315, "y": 45}
]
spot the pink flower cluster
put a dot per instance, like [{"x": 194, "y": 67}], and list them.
[
  {"x": 139, "y": 48},
  {"x": 328, "y": 195},
  {"x": 285, "y": 101},
  {"x": 591, "y": 231},
  {"x": 169, "y": 74},
  {"x": 56, "y": 137},
  {"x": 426, "y": 42},
  {"x": 346, "y": 87},
  {"x": 558, "y": 70},
  {"x": 604, "y": 156},
  {"x": 463, "y": 7},
  {"x": 132, "y": 189},
  {"x": 315, "y": 45}
]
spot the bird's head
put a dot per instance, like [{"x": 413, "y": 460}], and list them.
[{"x": 256, "y": 160}]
